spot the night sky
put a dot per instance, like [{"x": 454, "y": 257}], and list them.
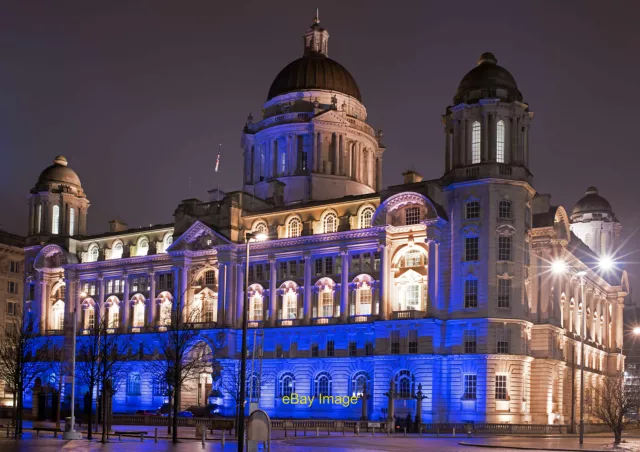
[{"x": 138, "y": 95}]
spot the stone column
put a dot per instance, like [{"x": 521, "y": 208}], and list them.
[
  {"x": 151, "y": 306},
  {"x": 344, "y": 287},
  {"x": 432, "y": 288},
  {"x": 335, "y": 170},
  {"x": 124, "y": 324},
  {"x": 312, "y": 160},
  {"x": 185, "y": 303},
  {"x": 101, "y": 308},
  {"x": 484, "y": 137},
  {"x": 379, "y": 176},
  {"x": 341, "y": 159},
  {"x": 273, "y": 296},
  {"x": 307, "y": 306},
  {"x": 294, "y": 154},
  {"x": 319, "y": 162},
  {"x": 274, "y": 157},
  {"x": 384, "y": 278},
  {"x": 228, "y": 299},
  {"x": 221, "y": 293},
  {"x": 44, "y": 298},
  {"x": 618, "y": 325},
  {"x": 463, "y": 143},
  {"x": 240, "y": 290}
]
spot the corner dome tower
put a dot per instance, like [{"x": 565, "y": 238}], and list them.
[
  {"x": 313, "y": 141},
  {"x": 487, "y": 127},
  {"x": 595, "y": 223},
  {"x": 57, "y": 203}
]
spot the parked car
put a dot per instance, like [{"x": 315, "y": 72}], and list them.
[
  {"x": 147, "y": 413},
  {"x": 210, "y": 410},
  {"x": 185, "y": 414}
]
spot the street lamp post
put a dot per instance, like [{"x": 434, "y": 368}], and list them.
[
  {"x": 243, "y": 359},
  {"x": 70, "y": 432}
]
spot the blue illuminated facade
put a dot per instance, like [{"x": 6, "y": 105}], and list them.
[{"x": 441, "y": 283}]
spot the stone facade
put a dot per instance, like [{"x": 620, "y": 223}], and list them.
[{"x": 444, "y": 283}]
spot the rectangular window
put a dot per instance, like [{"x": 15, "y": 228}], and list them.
[
  {"x": 293, "y": 268},
  {"x": 470, "y": 343},
  {"x": 475, "y": 142},
  {"x": 328, "y": 265},
  {"x": 504, "y": 210},
  {"x": 353, "y": 348},
  {"x": 55, "y": 221},
  {"x": 12, "y": 308},
  {"x": 110, "y": 285},
  {"x": 134, "y": 284},
  {"x": 376, "y": 261},
  {"x": 471, "y": 293},
  {"x": 366, "y": 262},
  {"x": 413, "y": 341},
  {"x": 470, "y": 385},
  {"x": 116, "y": 286},
  {"x": 12, "y": 287},
  {"x": 318, "y": 266},
  {"x": 504, "y": 248},
  {"x": 283, "y": 270},
  {"x": 210, "y": 278},
  {"x": 413, "y": 297},
  {"x": 355, "y": 263},
  {"x": 72, "y": 220},
  {"x": 501, "y": 387},
  {"x": 504, "y": 293},
  {"x": 331, "y": 348},
  {"x": 395, "y": 342},
  {"x": 14, "y": 267},
  {"x": 412, "y": 215},
  {"x": 472, "y": 210},
  {"x": 503, "y": 339},
  {"x": 314, "y": 350},
  {"x": 368, "y": 349},
  {"x": 259, "y": 272},
  {"x": 471, "y": 252}
]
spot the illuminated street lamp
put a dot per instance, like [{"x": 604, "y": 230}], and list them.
[
  {"x": 258, "y": 237},
  {"x": 559, "y": 267},
  {"x": 636, "y": 331}
]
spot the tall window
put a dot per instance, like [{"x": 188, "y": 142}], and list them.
[
  {"x": 143, "y": 247},
  {"x": 470, "y": 341},
  {"x": 287, "y": 384},
  {"x": 504, "y": 210},
  {"x": 471, "y": 293},
  {"x": 138, "y": 314},
  {"x": 166, "y": 243},
  {"x": 133, "y": 385},
  {"x": 330, "y": 223},
  {"x": 58, "y": 315},
  {"x": 39, "y": 219},
  {"x": 475, "y": 142},
  {"x": 472, "y": 210},
  {"x": 471, "y": 252},
  {"x": 500, "y": 141},
  {"x": 116, "y": 251},
  {"x": 323, "y": 384},
  {"x": 94, "y": 252},
  {"x": 114, "y": 316},
  {"x": 165, "y": 312},
  {"x": 253, "y": 386},
  {"x": 55, "y": 221},
  {"x": 395, "y": 342},
  {"x": 72, "y": 220},
  {"x": 405, "y": 384},
  {"x": 358, "y": 384},
  {"x": 470, "y": 385},
  {"x": 412, "y": 258},
  {"x": 255, "y": 312},
  {"x": 412, "y": 297},
  {"x": 159, "y": 387},
  {"x": 412, "y": 215},
  {"x": 289, "y": 305},
  {"x": 210, "y": 278},
  {"x": 503, "y": 339},
  {"x": 209, "y": 308},
  {"x": 365, "y": 218},
  {"x": 504, "y": 248},
  {"x": 326, "y": 303},
  {"x": 294, "y": 228},
  {"x": 365, "y": 299},
  {"x": 501, "y": 387},
  {"x": 90, "y": 315},
  {"x": 504, "y": 292}
]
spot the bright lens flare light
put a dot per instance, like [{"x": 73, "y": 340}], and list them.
[
  {"x": 558, "y": 267},
  {"x": 606, "y": 263},
  {"x": 260, "y": 237},
  {"x": 636, "y": 331}
]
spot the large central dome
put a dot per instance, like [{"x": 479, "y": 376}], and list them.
[{"x": 315, "y": 70}]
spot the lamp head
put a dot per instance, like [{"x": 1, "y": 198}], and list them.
[
  {"x": 605, "y": 263},
  {"x": 559, "y": 266},
  {"x": 636, "y": 331},
  {"x": 83, "y": 294},
  {"x": 258, "y": 236}
]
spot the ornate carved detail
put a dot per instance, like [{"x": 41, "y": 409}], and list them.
[{"x": 505, "y": 230}]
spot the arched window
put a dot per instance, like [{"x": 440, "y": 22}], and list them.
[
  {"x": 55, "y": 220},
  {"x": 165, "y": 308},
  {"x": 94, "y": 252},
  {"x": 366, "y": 215},
  {"x": 294, "y": 227},
  {"x": 289, "y": 304},
  {"x": 261, "y": 227},
  {"x": 114, "y": 315},
  {"x": 359, "y": 381},
  {"x": 364, "y": 299},
  {"x": 475, "y": 142},
  {"x": 405, "y": 384},
  {"x": 287, "y": 384},
  {"x": 116, "y": 250},
  {"x": 58, "y": 315},
  {"x": 253, "y": 386},
  {"x": 255, "y": 307},
  {"x": 89, "y": 318},
  {"x": 500, "y": 141},
  {"x": 322, "y": 384},
  {"x": 138, "y": 311},
  {"x": 72, "y": 220},
  {"x": 167, "y": 241},
  {"x": 133, "y": 385},
  {"x": 143, "y": 247},
  {"x": 330, "y": 223},
  {"x": 412, "y": 258},
  {"x": 325, "y": 298}
]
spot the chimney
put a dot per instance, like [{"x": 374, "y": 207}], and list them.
[
  {"x": 411, "y": 177},
  {"x": 117, "y": 226}
]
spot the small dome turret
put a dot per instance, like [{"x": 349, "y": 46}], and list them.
[
  {"x": 58, "y": 174},
  {"x": 592, "y": 203},
  {"x": 487, "y": 81}
]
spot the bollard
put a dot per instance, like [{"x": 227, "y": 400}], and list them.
[
  {"x": 454, "y": 431},
  {"x": 328, "y": 431},
  {"x": 295, "y": 431},
  {"x": 204, "y": 436},
  {"x": 421, "y": 427},
  {"x": 155, "y": 436},
  {"x": 223, "y": 437},
  {"x": 469, "y": 433},
  {"x": 285, "y": 430},
  {"x": 405, "y": 431},
  {"x": 373, "y": 432},
  {"x": 343, "y": 430},
  {"x": 438, "y": 431},
  {"x": 388, "y": 430},
  {"x": 358, "y": 429},
  {"x": 317, "y": 431}
]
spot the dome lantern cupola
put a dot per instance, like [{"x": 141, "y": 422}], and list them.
[
  {"x": 316, "y": 39},
  {"x": 595, "y": 223}
]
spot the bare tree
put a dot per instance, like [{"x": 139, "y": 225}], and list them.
[
  {"x": 614, "y": 400},
  {"x": 24, "y": 356},
  {"x": 180, "y": 354}
]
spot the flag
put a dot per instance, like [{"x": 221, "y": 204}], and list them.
[{"x": 218, "y": 159}]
